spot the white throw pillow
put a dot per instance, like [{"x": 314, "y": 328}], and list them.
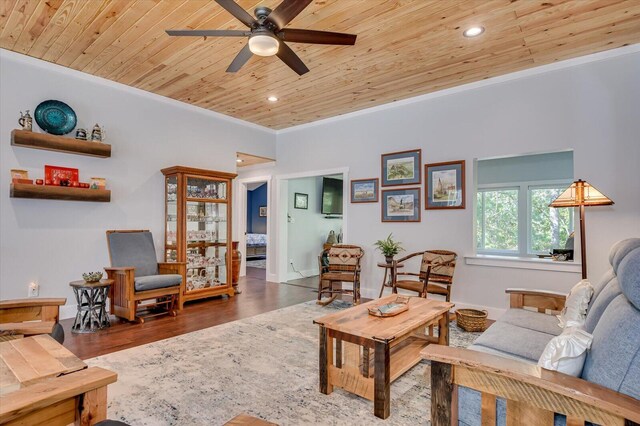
[
  {"x": 567, "y": 352},
  {"x": 575, "y": 307}
]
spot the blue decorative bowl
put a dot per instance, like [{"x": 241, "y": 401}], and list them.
[{"x": 55, "y": 117}]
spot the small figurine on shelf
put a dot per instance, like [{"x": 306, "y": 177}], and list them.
[
  {"x": 97, "y": 133},
  {"x": 25, "y": 121},
  {"x": 81, "y": 134}
]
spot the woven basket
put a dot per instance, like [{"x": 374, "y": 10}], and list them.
[{"x": 471, "y": 319}]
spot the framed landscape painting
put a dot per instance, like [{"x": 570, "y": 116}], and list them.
[
  {"x": 402, "y": 168},
  {"x": 445, "y": 185},
  {"x": 364, "y": 190},
  {"x": 401, "y": 205},
  {"x": 301, "y": 201}
]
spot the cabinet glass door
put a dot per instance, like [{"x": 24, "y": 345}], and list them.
[
  {"x": 206, "y": 244},
  {"x": 171, "y": 232},
  {"x": 206, "y": 188}
]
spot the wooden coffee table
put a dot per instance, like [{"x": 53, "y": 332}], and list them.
[{"x": 395, "y": 343}]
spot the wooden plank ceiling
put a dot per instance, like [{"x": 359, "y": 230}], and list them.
[{"x": 404, "y": 48}]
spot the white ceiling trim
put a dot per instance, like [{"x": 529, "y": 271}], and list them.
[
  {"x": 543, "y": 69},
  {"x": 18, "y": 57}
]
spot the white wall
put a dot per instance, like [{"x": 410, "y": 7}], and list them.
[
  {"x": 53, "y": 242},
  {"x": 308, "y": 229},
  {"x": 592, "y": 108}
]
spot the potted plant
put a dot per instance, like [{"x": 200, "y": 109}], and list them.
[{"x": 388, "y": 247}]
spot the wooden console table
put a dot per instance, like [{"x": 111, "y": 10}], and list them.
[
  {"x": 41, "y": 382},
  {"x": 396, "y": 343}
]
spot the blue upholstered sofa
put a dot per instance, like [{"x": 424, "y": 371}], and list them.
[{"x": 498, "y": 379}]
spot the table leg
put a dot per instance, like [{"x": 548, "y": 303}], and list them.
[
  {"x": 326, "y": 359},
  {"x": 384, "y": 282},
  {"x": 443, "y": 329},
  {"x": 381, "y": 380},
  {"x": 338, "y": 353}
]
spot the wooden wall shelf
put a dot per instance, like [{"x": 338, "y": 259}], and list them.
[
  {"x": 20, "y": 190},
  {"x": 27, "y": 139}
]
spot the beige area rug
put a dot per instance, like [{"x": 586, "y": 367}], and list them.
[{"x": 265, "y": 366}]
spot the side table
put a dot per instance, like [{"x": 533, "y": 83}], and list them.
[
  {"x": 92, "y": 305},
  {"x": 389, "y": 277}
]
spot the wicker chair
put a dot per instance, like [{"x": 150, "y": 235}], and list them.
[
  {"x": 342, "y": 265},
  {"x": 435, "y": 276}
]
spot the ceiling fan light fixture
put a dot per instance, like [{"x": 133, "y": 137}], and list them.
[
  {"x": 474, "y": 31},
  {"x": 263, "y": 45}
]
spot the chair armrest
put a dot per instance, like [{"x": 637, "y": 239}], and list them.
[
  {"x": 28, "y": 303},
  {"x": 118, "y": 268},
  {"x": 409, "y": 256},
  {"x": 172, "y": 267},
  {"x": 540, "y": 299},
  {"x": 548, "y": 390},
  {"x": 52, "y": 391}
]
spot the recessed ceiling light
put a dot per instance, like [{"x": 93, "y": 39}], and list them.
[
  {"x": 239, "y": 160},
  {"x": 272, "y": 99},
  {"x": 473, "y": 31}
]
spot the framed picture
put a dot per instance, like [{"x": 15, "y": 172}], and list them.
[
  {"x": 402, "y": 168},
  {"x": 445, "y": 185},
  {"x": 301, "y": 201},
  {"x": 364, "y": 190},
  {"x": 401, "y": 205},
  {"x": 263, "y": 211}
]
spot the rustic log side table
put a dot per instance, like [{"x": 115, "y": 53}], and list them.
[
  {"x": 395, "y": 343},
  {"x": 389, "y": 275},
  {"x": 92, "y": 305}
]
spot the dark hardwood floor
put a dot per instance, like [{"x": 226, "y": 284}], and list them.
[{"x": 258, "y": 296}]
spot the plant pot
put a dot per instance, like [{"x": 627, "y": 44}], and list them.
[{"x": 389, "y": 259}]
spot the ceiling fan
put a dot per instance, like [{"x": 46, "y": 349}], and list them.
[{"x": 267, "y": 34}]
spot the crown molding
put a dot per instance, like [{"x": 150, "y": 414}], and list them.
[
  {"x": 530, "y": 72},
  {"x": 49, "y": 66}
]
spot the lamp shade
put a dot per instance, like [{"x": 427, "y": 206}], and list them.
[{"x": 581, "y": 193}]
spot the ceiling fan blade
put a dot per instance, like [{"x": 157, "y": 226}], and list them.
[
  {"x": 236, "y": 10},
  {"x": 293, "y": 35},
  {"x": 290, "y": 58},
  {"x": 241, "y": 58},
  {"x": 209, "y": 33},
  {"x": 286, "y": 11}
]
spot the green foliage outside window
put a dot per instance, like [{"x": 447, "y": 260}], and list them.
[
  {"x": 550, "y": 227},
  {"x": 498, "y": 210}
]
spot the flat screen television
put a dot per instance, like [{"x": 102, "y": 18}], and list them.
[{"x": 331, "y": 196}]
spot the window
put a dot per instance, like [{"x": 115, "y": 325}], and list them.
[
  {"x": 518, "y": 221},
  {"x": 497, "y": 220},
  {"x": 549, "y": 228}
]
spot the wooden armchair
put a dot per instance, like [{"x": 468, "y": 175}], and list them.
[
  {"x": 435, "y": 276},
  {"x": 28, "y": 317},
  {"x": 343, "y": 266},
  {"x": 138, "y": 276},
  {"x": 531, "y": 393}
]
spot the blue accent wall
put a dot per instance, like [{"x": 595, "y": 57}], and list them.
[{"x": 256, "y": 199}]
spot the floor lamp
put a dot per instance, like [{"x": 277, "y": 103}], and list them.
[{"x": 581, "y": 194}]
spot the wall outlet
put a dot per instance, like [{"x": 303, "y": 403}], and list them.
[{"x": 34, "y": 290}]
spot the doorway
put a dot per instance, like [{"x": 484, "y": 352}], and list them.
[
  {"x": 253, "y": 226},
  {"x": 305, "y": 214}
]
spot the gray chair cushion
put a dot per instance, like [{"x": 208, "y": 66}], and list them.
[
  {"x": 620, "y": 250},
  {"x": 134, "y": 249},
  {"x": 152, "y": 282},
  {"x": 614, "y": 358},
  {"x": 514, "y": 340},
  {"x": 600, "y": 285},
  {"x": 629, "y": 277},
  {"x": 491, "y": 351},
  {"x": 598, "y": 306},
  {"x": 532, "y": 320}
]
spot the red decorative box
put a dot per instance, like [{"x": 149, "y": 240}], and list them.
[{"x": 56, "y": 173}]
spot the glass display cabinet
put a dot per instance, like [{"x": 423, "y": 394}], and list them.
[{"x": 198, "y": 229}]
